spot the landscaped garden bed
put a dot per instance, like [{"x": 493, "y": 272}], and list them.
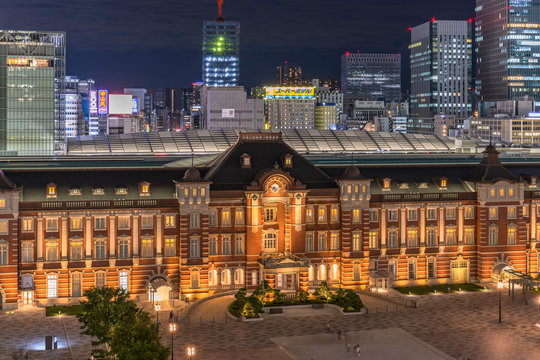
[
  {"x": 438, "y": 289},
  {"x": 250, "y": 307}
]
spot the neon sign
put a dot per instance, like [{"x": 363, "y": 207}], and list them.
[
  {"x": 103, "y": 100},
  {"x": 93, "y": 102}
]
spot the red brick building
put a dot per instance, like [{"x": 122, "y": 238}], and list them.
[{"x": 261, "y": 211}]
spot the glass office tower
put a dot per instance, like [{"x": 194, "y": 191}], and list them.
[
  {"x": 441, "y": 69},
  {"x": 32, "y": 93},
  {"x": 373, "y": 76},
  {"x": 508, "y": 50},
  {"x": 221, "y": 52}
]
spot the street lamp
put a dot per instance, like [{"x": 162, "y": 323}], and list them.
[
  {"x": 157, "y": 307},
  {"x": 172, "y": 329},
  {"x": 191, "y": 351},
  {"x": 499, "y": 286}
]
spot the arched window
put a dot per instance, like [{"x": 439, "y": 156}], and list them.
[
  {"x": 226, "y": 277},
  {"x": 334, "y": 272},
  {"x": 311, "y": 273},
  {"x": 254, "y": 278},
  {"x": 321, "y": 273},
  {"x": 194, "y": 278},
  {"x": 239, "y": 276},
  {"x": 212, "y": 278}
]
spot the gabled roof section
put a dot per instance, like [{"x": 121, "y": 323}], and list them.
[
  {"x": 6, "y": 183},
  {"x": 490, "y": 169},
  {"x": 266, "y": 150}
]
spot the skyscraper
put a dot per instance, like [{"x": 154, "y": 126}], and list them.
[
  {"x": 374, "y": 76},
  {"x": 441, "y": 69},
  {"x": 32, "y": 92},
  {"x": 289, "y": 75},
  {"x": 508, "y": 49},
  {"x": 221, "y": 51}
]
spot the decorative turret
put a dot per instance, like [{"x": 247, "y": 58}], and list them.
[
  {"x": 490, "y": 169},
  {"x": 355, "y": 191}
]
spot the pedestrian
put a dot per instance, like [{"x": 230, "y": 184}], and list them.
[
  {"x": 171, "y": 315},
  {"x": 328, "y": 328},
  {"x": 339, "y": 334},
  {"x": 348, "y": 347}
]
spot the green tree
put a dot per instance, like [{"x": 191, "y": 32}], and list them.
[
  {"x": 323, "y": 291},
  {"x": 303, "y": 296},
  {"x": 137, "y": 339},
  {"x": 118, "y": 325},
  {"x": 249, "y": 310}
]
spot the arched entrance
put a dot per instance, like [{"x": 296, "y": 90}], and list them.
[
  {"x": 159, "y": 289},
  {"x": 499, "y": 271}
]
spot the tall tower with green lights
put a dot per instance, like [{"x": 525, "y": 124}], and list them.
[{"x": 221, "y": 51}]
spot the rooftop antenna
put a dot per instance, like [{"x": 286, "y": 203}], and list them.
[
  {"x": 220, "y": 5},
  {"x": 192, "y": 159}
]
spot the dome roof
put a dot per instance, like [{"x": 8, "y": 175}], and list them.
[
  {"x": 192, "y": 174},
  {"x": 352, "y": 173}
]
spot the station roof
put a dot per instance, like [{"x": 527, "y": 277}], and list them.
[{"x": 216, "y": 141}]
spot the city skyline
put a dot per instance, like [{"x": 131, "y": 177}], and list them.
[{"x": 105, "y": 44}]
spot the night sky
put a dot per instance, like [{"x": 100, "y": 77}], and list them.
[{"x": 157, "y": 43}]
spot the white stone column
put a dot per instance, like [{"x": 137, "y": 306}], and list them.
[
  {"x": 159, "y": 234},
  {"x": 135, "y": 234},
  {"x": 39, "y": 239},
  {"x": 422, "y": 226},
  {"x": 112, "y": 237},
  {"x": 88, "y": 237},
  {"x": 403, "y": 225},
  {"x": 382, "y": 230},
  {"x": 441, "y": 220},
  {"x": 64, "y": 237},
  {"x": 460, "y": 225},
  {"x": 532, "y": 214}
]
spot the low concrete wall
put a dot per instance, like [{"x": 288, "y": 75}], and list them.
[{"x": 198, "y": 302}]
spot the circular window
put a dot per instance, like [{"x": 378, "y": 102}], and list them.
[{"x": 274, "y": 187}]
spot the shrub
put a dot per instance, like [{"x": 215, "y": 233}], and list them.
[
  {"x": 323, "y": 291},
  {"x": 249, "y": 310},
  {"x": 303, "y": 296}
]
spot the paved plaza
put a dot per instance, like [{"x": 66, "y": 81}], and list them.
[{"x": 457, "y": 324}]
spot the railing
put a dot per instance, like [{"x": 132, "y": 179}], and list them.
[
  {"x": 221, "y": 287},
  {"x": 95, "y": 204},
  {"x": 429, "y": 196}
]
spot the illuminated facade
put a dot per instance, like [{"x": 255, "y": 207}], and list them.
[
  {"x": 290, "y": 107},
  {"x": 290, "y": 75},
  {"x": 516, "y": 130},
  {"x": 262, "y": 211},
  {"x": 32, "y": 93},
  {"x": 374, "y": 76},
  {"x": 507, "y": 33},
  {"x": 221, "y": 52},
  {"x": 441, "y": 69}
]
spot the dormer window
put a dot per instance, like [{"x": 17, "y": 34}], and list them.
[
  {"x": 423, "y": 185},
  {"x": 51, "y": 190},
  {"x": 403, "y": 186},
  {"x": 387, "y": 182},
  {"x": 443, "y": 183},
  {"x": 75, "y": 191},
  {"x": 98, "y": 191},
  {"x": 533, "y": 181},
  {"x": 144, "y": 188},
  {"x": 287, "y": 161},
  {"x": 245, "y": 161},
  {"x": 121, "y": 191}
]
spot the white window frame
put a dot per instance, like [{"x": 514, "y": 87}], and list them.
[
  {"x": 195, "y": 220},
  {"x": 195, "y": 247}
]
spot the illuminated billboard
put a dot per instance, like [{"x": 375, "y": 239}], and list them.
[
  {"x": 103, "y": 102},
  {"x": 290, "y": 92},
  {"x": 120, "y": 104},
  {"x": 135, "y": 105},
  {"x": 93, "y": 102}
]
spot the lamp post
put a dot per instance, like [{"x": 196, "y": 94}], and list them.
[
  {"x": 157, "y": 307},
  {"x": 172, "y": 329},
  {"x": 191, "y": 351},
  {"x": 499, "y": 286}
]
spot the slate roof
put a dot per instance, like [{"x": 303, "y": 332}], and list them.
[
  {"x": 490, "y": 169},
  {"x": 267, "y": 152}
]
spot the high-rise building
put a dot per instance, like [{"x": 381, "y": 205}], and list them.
[
  {"x": 325, "y": 95},
  {"x": 230, "y": 108},
  {"x": 325, "y": 116},
  {"x": 289, "y": 75},
  {"x": 32, "y": 92},
  {"x": 290, "y": 107},
  {"x": 508, "y": 50},
  {"x": 73, "y": 108},
  {"x": 441, "y": 69},
  {"x": 221, "y": 51},
  {"x": 89, "y": 126},
  {"x": 374, "y": 76}
]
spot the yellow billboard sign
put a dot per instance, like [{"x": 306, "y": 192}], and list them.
[{"x": 296, "y": 92}]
